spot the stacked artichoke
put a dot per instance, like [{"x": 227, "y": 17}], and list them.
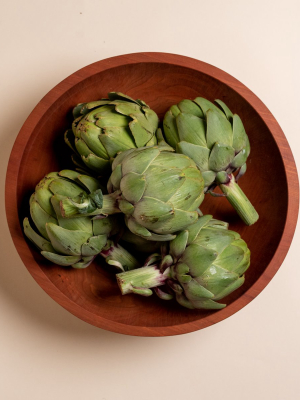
[
  {"x": 217, "y": 141},
  {"x": 203, "y": 264},
  {"x": 136, "y": 193},
  {"x": 104, "y": 128}
]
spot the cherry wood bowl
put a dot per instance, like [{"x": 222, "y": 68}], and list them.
[{"x": 160, "y": 79}]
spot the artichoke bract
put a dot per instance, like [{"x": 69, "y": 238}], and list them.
[
  {"x": 104, "y": 128},
  {"x": 159, "y": 192},
  {"x": 204, "y": 263},
  {"x": 217, "y": 141},
  {"x": 74, "y": 242}
]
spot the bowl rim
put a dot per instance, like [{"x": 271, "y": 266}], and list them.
[{"x": 129, "y": 59}]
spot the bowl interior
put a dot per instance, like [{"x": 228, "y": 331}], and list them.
[{"x": 94, "y": 289}]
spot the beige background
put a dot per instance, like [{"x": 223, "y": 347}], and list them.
[{"x": 45, "y": 352}]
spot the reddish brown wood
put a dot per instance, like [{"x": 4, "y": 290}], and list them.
[{"x": 161, "y": 80}]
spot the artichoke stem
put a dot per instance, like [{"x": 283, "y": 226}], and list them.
[
  {"x": 118, "y": 256},
  {"x": 142, "y": 278},
  {"x": 239, "y": 201},
  {"x": 110, "y": 205}
]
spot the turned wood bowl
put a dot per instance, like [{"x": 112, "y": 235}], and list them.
[{"x": 161, "y": 80}]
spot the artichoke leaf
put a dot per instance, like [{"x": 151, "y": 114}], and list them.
[
  {"x": 175, "y": 110},
  {"x": 139, "y": 161},
  {"x": 133, "y": 186},
  {"x": 178, "y": 245},
  {"x": 43, "y": 195},
  {"x": 58, "y": 259},
  {"x": 90, "y": 135},
  {"x": 151, "y": 118},
  {"x": 125, "y": 207},
  {"x": 239, "y": 160},
  {"x": 128, "y": 108},
  {"x": 170, "y": 129},
  {"x": 84, "y": 262},
  {"x": 218, "y": 129},
  {"x": 194, "y": 229},
  {"x": 116, "y": 176},
  {"x": 75, "y": 124},
  {"x": 178, "y": 221},
  {"x": 35, "y": 238},
  {"x": 198, "y": 154},
  {"x": 168, "y": 160},
  {"x": 225, "y": 109},
  {"x": 65, "y": 241},
  {"x": 184, "y": 278},
  {"x": 189, "y": 191},
  {"x": 141, "y": 131},
  {"x": 161, "y": 238},
  {"x": 116, "y": 139},
  {"x": 84, "y": 108},
  {"x": 108, "y": 118},
  {"x": 136, "y": 228},
  {"x": 114, "y": 96},
  {"x": 191, "y": 129},
  {"x": 198, "y": 258},
  {"x": 208, "y": 304},
  {"x": 120, "y": 157},
  {"x": 40, "y": 217},
  {"x": 183, "y": 301},
  {"x": 164, "y": 183},
  {"x": 97, "y": 164},
  {"x": 190, "y": 107},
  {"x": 64, "y": 187},
  {"x": 181, "y": 269},
  {"x": 239, "y": 134},
  {"x": 215, "y": 239},
  {"x": 94, "y": 245},
  {"x": 223, "y": 283},
  {"x": 209, "y": 177},
  {"x": 69, "y": 174},
  {"x": 244, "y": 264},
  {"x": 231, "y": 288},
  {"x": 220, "y": 157},
  {"x": 150, "y": 211},
  {"x": 206, "y": 105},
  {"x": 194, "y": 291},
  {"x": 82, "y": 148}
]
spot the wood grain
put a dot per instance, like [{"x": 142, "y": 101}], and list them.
[{"x": 160, "y": 79}]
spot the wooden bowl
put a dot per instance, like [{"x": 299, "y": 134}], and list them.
[{"x": 161, "y": 80}]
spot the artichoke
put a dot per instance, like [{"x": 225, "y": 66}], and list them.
[
  {"x": 205, "y": 263},
  {"x": 158, "y": 191},
  {"x": 217, "y": 141},
  {"x": 104, "y": 128},
  {"x": 74, "y": 242}
]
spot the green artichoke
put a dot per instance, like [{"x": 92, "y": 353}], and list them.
[
  {"x": 72, "y": 242},
  {"x": 205, "y": 263},
  {"x": 217, "y": 141},
  {"x": 104, "y": 128},
  {"x": 158, "y": 191}
]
